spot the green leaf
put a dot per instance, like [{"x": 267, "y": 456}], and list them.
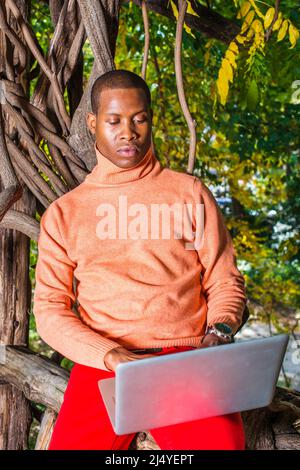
[{"x": 252, "y": 95}]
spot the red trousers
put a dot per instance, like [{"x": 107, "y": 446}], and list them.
[{"x": 83, "y": 423}]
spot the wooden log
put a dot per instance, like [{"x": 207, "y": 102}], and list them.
[
  {"x": 36, "y": 376},
  {"x": 15, "y": 417},
  {"x": 46, "y": 428},
  {"x": 144, "y": 441},
  {"x": 15, "y": 285},
  {"x": 275, "y": 426},
  {"x": 15, "y": 292}
]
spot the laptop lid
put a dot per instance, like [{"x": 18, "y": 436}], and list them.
[{"x": 185, "y": 386}]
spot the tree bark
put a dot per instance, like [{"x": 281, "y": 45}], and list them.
[
  {"x": 105, "y": 15},
  {"x": 15, "y": 294},
  {"x": 46, "y": 428},
  {"x": 36, "y": 376}
]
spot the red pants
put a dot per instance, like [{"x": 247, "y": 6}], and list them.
[{"x": 83, "y": 423}]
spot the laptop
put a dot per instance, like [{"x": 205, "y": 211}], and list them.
[{"x": 184, "y": 386}]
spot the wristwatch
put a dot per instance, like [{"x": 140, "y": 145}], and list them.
[{"x": 222, "y": 330}]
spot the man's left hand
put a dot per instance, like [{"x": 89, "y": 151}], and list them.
[{"x": 213, "y": 340}]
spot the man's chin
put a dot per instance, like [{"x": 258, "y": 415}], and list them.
[
  {"x": 128, "y": 161},
  {"x": 125, "y": 162}
]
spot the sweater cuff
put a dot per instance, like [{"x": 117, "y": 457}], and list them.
[
  {"x": 233, "y": 323},
  {"x": 99, "y": 350}
]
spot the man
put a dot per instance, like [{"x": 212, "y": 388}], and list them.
[{"x": 140, "y": 292}]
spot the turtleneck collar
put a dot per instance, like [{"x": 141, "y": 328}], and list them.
[{"x": 106, "y": 173}]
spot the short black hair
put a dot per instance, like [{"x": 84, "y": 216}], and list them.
[{"x": 117, "y": 79}]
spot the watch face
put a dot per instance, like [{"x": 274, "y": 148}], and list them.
[{"x": 223, "y": 328}]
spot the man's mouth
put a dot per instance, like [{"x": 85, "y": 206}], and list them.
[{"x": 128, "y": 151}]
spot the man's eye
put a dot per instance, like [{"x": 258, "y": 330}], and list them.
[{"x": 139, "y": 121}]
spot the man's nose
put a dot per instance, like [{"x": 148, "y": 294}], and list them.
[{"x": 128, "y": 131}]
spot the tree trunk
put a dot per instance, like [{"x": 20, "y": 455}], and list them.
[
  {"x": 15, "y": 296},
  {"x": 103, "y": 42}
]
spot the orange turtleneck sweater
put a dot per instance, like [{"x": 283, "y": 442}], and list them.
[{"x": 134, "y": 289}]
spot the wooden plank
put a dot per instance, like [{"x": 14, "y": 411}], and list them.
[{"x": 45, "y": 432}]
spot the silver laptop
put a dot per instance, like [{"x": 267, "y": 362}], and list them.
[{"x": 190, "y": 385}]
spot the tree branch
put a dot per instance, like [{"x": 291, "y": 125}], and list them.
[
  {"x": 17, "y": 220},
  {"x": 147, "y": 38},
  {"x": 180, "y": 88},
  {"x": 12, "y": 190},
  {"x": 28, "y": 36},
  {"x": 210, "y": 23}
]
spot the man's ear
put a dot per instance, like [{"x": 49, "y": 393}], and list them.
[{"x": 91, "y": 122}]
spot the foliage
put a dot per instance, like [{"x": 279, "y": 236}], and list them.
[{"x": 257, "y": 27}]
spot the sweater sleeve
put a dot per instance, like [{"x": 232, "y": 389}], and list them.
[
  {"x": 53, "y": 299},
  {"x": 222, "y": 282}
]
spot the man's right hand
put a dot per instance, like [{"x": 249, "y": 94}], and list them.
[{"x": 118, "y": 355}]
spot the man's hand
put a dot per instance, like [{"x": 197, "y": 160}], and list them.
[
  {"x": 118, "y": 355},
  {"x": 212, "y": 340}
]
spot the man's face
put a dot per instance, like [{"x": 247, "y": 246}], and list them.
[{"x": 122, "y": 126}]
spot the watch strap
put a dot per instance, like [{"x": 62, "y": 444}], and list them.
[{"x": 212, "y": 329}]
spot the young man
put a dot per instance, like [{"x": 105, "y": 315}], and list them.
[{"x": 141, "y": 291}]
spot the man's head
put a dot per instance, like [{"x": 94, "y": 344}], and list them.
[{"x": 121, "y": 117}]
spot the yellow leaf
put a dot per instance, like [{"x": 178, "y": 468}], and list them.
[
  {"x": 241, "y": 39},
  {"x": 257, "y": 10},
  {"x": 293, "y": 35},
  {"x": 188, "y": 30},
  {"x": 269, "y": 17},
  {"x": 257, "y": 26},
  {"x": 250, "y": 34},
  {"x": 230, "y": 56},
  {"x": 248, "y": 20},
  {"x": 227, "y": 70},
  {"x": 245, "y": 8},
  {"x": 206, "y": 57},
  {"x": 278, "y": 22},
  {"x": 233, "y": 47},
  {"x": 209, "y": 43},
  {"x": 190, "y": 10},
  {"x": 174, "y": 8},
  {"x": 222, "y": 85},
  {"x": 258, "y": 39},
  {"x": 282, "y": 31}
]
